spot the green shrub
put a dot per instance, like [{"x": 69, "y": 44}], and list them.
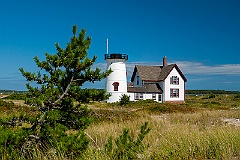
[
  {"x": 101, "y": 115},
  {"x": 237, "y": 96},
  {"x": 16, "y": 96},
  {"x": 11, "y": 142},
  {"x": 172, "y": 108},
  {"x": 125, "y": 146},
  {"x": 6, "y": 104},
  {"x": 212, "y": 96},
  {"x": 124, "y": 100}
]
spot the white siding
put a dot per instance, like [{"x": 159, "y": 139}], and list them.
[
  {"x": 147, "y": 96},
  {"x": 162, "y": 85},
  {"x": 118, "y": 75},
  {"x": 167, "y": 86},
  {"x": 131, "y": 96}
]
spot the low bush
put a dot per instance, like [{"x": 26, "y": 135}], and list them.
[
  {"x": 171, "y": 108},
  {"x": 11, "y": 142},
  {"x": 237, "y": 96},
  {"x": 6, "y": 104},
  {"x": 124, "y": 100},
  {"x": 212, "y": 96},
  {"x": 16, "y": 96},
  {"x": 102, "y": 115}
]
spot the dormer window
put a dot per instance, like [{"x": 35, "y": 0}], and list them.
[
  {"x": 137, "y": 80},
  {"x": 174, "y": 80},
  {"x": 115, "y": 85}
]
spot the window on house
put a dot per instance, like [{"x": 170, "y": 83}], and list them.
[
  {"x": 115, "y": 86},
  {"x": 137, "y": 80},
  {"x": 174, "y": 93},
  {"x": 154, "y": 96},
  {"x": 174, "y": 80},
  {"x": 159, "y": 97},
  {"x": 141, "y": 96},
  {"x": 138, "y": 95}
]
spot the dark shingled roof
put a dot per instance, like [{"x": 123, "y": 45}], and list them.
[
  {"x": 149, "y": 72},
  {"x": 147, "y": 88},
  {"x": 165, "y": 72},
  {"x": 155, "y": 73}
]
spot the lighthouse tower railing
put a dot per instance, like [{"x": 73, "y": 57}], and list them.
[{"x": 116, "y": 56}]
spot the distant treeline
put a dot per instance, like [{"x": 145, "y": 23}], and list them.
[
  {"x": 87, "y": 95},
  {"x": 11, "y": 91},
  {"x": 211, "y": 92},
  {"x": 187, "y": 91}
]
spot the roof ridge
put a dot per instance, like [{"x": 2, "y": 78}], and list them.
[{"x": 154, "y": 73}]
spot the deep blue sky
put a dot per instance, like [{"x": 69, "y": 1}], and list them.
[{"x": 201, "y": 36}]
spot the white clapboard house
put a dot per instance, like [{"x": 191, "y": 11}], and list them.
[{"x": 164, "y": 83}]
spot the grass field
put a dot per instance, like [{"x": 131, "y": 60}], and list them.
[
  {"x": 208, "y": 128},
  {"x": 205, "y": 127}
]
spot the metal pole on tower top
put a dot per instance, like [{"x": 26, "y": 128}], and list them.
[{"x": 107, "y": 45}]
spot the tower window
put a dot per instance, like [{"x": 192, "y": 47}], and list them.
[{"x": 115, "y": 85}]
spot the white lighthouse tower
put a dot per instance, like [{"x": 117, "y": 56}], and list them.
[{"x": 116, "y": 82}]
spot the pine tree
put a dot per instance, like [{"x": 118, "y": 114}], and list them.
[{"x": 58, "y": 96}]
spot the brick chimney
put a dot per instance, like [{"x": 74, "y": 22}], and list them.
[{"x": 164, "y": 61}]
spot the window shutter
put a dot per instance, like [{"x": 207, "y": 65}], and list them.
[
  {"x": 171, "y": 80},
  {"x": 178, "y": 80}
]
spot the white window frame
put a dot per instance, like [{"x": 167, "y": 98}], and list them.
[
  {"x": 138, "y": 96},
  {"x": 154, "y": 96},
  {"x": 174, "y": 80},
  {"x": 174, "y": 93}
]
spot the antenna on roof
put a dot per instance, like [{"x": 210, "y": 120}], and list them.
[{"x": 107, "y": 45}]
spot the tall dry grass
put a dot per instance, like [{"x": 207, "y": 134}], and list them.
[{"x": 199, "y": 135}]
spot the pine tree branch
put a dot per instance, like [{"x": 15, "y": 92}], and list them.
[
  {"x": 40, "y": 121},
  {"x": 34, "y": 136},
  {"x": 65, "y": 92}
]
